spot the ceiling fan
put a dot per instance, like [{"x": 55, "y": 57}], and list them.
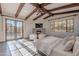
[{"x": 40, "y": 8}]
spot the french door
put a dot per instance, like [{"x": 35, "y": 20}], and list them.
[{"x": 14, "y": 29}]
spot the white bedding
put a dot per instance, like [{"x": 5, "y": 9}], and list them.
[{"x": 46, "y": 44}]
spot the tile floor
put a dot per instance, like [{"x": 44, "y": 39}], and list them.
[{"x": 20, "y": 47}]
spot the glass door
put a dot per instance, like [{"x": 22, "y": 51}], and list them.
[
  {"x": 10, "y": 30},
  {"x": 14, "y": 29},
  {"x": 19, "y": 30}
]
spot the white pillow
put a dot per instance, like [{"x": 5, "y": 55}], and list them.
[
  {"x": 41, "y": 36},
  {"x": 77, "y": 52},
  {"x": 66, "y": 39},
  {"x": 76, "y": 47},
  {"x": 69, "y": 45}
]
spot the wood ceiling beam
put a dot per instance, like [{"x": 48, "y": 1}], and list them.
[
  {"x": 11, "y": 16},
  {"x": 43, "y": 14},
  {"x": 73, "y": 11},
  {"x": 60, "y": 8},
  {"x": 0, "y": 9},
  {"x": 46, "y": 11},
  {"x": 47, "y": 17},
  {"x": 38, "y": 16},
  {"x": 43, "y": 4},
  {"x": 63, "y": 7},
  {"x": 42, "y": 8},
  {"x": 19, "y": 9},
  {"x": 67, "y": 12}
]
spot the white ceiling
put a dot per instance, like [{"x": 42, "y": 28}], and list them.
[
  {"x": 26, "y": 10},
  {"x": 65, "y": 10},
  {"x": 10, "y": 9},
  {"x": 55, "y": 5}
]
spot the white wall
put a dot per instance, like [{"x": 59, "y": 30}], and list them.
[
  {"x": 30, "y": 24},
  {"x": 2, "y": 34}
]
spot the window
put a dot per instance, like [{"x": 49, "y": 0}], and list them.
[
  {"x": 70, "y": 25},
  {"x": 66, "y": 25}
]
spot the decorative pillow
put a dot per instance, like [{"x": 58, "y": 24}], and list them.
[
  {"x": 69, "y": 45},
  {"x": 76, "y": 47},
  {"x": 77, "y": 52},
  {"x": 66, "y": 39}
]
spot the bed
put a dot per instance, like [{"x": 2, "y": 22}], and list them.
[{"x": 46, "y": 44}]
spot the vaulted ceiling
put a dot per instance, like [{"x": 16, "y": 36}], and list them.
[{"x": 26, "y": 10}]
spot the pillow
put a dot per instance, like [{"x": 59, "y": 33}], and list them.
[
  {"x": 76, "y": 48},
  {"x": 66, "y": 39},
  {"x": 69, "y": 45},
  {"x": 42, "y": 35},
  {"x": 77, "y": 52}
]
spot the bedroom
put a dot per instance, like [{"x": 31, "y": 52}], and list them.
[{"x": 36, "y": 25}]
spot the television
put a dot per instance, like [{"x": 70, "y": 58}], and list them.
[{"x": 38, "y": 25}]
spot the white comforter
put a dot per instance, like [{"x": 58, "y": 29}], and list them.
[{"x": 45, "y": 45}]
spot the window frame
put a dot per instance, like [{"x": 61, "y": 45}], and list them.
[{"x": 66, "y": 21}]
